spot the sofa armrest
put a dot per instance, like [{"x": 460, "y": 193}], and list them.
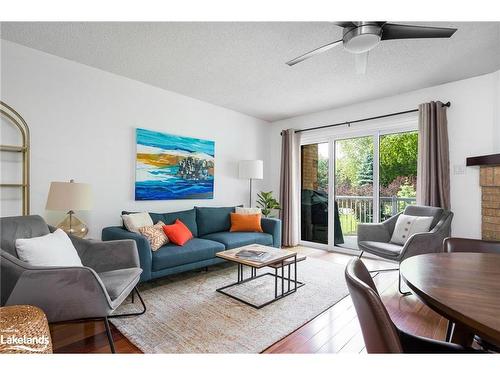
[
  {"x": 273, "y": 227},
  {"x": 143, "y": 247}
]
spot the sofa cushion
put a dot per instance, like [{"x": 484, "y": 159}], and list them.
[
  {"x": 213, "y": 219},
  {"x": 194, "y": 250},
  {"x": 384, "y": 249},
  {"x": 237, "y": 239},
  {"x": 188, "y": 217},
  {"x": 117, "y": 281}
]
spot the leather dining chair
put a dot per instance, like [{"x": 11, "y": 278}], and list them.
[
  {"x": 379, "y": 332},
  {"x": 469, "y": 245}
]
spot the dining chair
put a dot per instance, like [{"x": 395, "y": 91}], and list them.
[
  {"x": 469, "y": 245},
  {"x": 379, "y": 332}
]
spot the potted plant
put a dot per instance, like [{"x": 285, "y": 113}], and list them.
[{"x": 267, "y": 203}]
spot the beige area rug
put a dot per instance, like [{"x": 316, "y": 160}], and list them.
[{"x": 185, "y": 314}]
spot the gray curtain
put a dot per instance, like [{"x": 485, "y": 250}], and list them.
[
  {"x": 288, "y": 189},
  {"x": 433, "y": 171}
]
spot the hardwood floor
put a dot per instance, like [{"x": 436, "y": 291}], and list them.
[{"x": 334, "y": 331}]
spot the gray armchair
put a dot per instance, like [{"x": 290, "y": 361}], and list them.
[
  {"x": 375, "y": 238},
  {"x": 110, "y": 273}
]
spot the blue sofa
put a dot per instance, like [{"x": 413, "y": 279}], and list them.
[{"x": 210, "y": 228}]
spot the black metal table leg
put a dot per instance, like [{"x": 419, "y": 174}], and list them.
[
  {"x": 253, "y": 275},
  {"x": 282, "y": 279},
  {"x": 288, "y": 278},
  {"x": 276, "y": 283},
  {"x": 295, "y": 269}
]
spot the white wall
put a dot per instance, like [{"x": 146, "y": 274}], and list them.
[
  {"x": 496, "y": 123},
  {"x": 473, "y": 126},
  {"x": 82, "y": 123}
]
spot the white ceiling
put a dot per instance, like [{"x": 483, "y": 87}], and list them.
[{"x": 241, "y": 65}]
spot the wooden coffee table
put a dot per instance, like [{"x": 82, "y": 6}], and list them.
[{"x": 279, "y": 260}]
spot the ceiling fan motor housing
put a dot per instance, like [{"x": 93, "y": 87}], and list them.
[{"x": 362, "y": 38}]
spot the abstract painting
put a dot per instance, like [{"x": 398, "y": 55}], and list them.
[{"x": 173, "y": 167}]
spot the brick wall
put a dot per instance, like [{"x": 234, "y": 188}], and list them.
[
  {"x": 490, "y": 206},
  {"x": 309, "y": 168}
]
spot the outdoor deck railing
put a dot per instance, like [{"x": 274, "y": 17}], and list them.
[{"x": 357, "y": 209}]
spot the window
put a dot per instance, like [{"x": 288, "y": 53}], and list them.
[
  {"x": 371, "y": 176},
  {"x": 314, "y": 193}
]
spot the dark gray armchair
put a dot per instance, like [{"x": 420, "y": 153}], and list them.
[
  {"x": 375, "y": 238},
  {"x": 110, "y": 273}
]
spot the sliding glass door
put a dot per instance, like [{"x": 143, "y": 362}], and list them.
[
  {"x": 354, "y": 198},
  {"x": 314, "y": 192},
  {"x": 398, "y": 172},
  {"x": 373, "y": 176}
]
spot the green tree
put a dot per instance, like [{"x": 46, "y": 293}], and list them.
[
  {"x": 398, "y": 156},
  {"x": 350, "y": 155},
  {"x": 323, "y": 174},
  {"x": 365, "y": 171}
]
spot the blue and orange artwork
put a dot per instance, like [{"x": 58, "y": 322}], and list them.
[{"x": 173, "y": 167}]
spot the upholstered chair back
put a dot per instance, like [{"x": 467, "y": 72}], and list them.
[
  {"x": 12, "y": 228},
  {"x": 435, "y": 212},
  {"x": 379, "y": 332}
]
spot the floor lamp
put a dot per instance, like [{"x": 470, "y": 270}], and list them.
[{"x": 251, "y": 170}]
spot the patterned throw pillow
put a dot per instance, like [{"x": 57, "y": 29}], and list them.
[
  {"x": 155, "y": 235},
  {"x": 408, "y": 225}
]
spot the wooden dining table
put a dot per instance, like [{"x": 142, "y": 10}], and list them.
[{"x": 462, "y": 287}]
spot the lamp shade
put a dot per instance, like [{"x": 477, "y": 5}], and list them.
[
  {"x": 251, "y": 169},
  {"x": 66, "y": 196}
]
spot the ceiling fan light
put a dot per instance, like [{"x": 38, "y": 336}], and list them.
[{"x": 362, "y": 43}]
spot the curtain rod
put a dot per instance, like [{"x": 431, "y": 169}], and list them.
[{"x": 362, "y": 120}]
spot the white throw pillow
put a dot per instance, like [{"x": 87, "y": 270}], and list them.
[
  {"x": 53, "y": 249},
  {"x": 248, "y": 211},
  {"x": 408, "y": 225},
  {"x": 135, "y": 221}
]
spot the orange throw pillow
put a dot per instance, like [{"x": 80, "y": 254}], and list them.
[
  {"x": 245, "y": 223},
  {"x": 178, "y": 233}
]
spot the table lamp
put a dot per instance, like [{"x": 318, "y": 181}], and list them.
[
  {"x": 252, "y": 170},
  {"x": 70, "y": 196}
]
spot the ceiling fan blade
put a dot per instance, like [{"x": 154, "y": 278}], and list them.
[
  {"x": 360, "y": 62},
  {"x": 395, "y": 31},
  {"x": 314, "y": 52},
  {"x": 344, "y": 23}
]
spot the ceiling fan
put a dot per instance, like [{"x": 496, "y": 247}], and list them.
[{"x": 359, "y": 37}]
